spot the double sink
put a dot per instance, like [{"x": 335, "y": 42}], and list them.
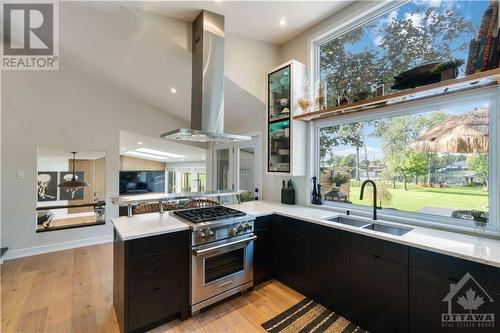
[{"x": 353, "y": 222}]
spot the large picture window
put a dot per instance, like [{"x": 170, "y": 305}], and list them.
[
  {"x": 432, "y": 161},
  {"x": 416, "y": 33}
]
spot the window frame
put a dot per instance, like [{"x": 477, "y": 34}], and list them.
[
  {"x": 490, "y": 95},
  {"x": 334, "y": 32}
]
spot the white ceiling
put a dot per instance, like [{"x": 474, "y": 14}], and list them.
[
  {"x": 255, "y": 19},
  {"x": 131, "y": 142}
]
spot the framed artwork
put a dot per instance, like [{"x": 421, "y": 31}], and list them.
[
  {"x": 47, "y": 186},
  {"x": 71, "y": 193}
]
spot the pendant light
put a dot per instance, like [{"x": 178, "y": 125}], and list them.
[{"x": 73, "y": 183}]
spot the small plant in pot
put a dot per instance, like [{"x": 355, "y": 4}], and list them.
[
  {"x": 339, "y": 179},
  {"x": 448, "y": 69}
]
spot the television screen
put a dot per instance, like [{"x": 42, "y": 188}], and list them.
[{"x": 139, "y": 182}]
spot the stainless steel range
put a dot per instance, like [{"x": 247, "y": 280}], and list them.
[{"x": 222, "y": 253}]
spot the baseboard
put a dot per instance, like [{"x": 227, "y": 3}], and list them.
[{"x": 30, "y": 251}]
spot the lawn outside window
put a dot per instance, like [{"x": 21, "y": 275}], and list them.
[{"x": 452, "y": 184}]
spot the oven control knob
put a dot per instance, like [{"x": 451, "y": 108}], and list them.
[
  {"x": 209, "y": 233},
  {"x": 233, "y": 232},
  {"x": 202, "y": 235},
  {"x": 241, "y": 228},
  {"x": 248, "y": 227}
]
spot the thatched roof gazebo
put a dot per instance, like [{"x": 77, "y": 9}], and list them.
[{"x": 466, "y": 133}]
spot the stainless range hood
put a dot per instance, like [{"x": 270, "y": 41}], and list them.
[{"x": 207, "y": 93}]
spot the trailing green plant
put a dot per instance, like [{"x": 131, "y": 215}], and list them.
[{"x": 453, "y": 64}]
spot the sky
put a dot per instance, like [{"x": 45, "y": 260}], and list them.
[{"x": 472, "y": 10}]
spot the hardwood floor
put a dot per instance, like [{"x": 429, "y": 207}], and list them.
[{"x": 71, "y": 291}]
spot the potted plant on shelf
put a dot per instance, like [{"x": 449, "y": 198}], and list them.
[{"x": 448, "y": 69}]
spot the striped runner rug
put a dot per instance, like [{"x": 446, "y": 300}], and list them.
[{"x": 307, "y": 316}]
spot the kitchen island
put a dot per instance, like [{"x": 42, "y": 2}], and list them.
[{"x": 150, "y": 271}]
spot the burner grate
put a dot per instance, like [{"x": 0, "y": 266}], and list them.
[{"x": 198, "y": 215}]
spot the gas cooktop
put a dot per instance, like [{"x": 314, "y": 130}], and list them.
[{"x": 206, "y": 214}]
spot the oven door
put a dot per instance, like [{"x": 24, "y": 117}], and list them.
[{"x": 220, "y": 266}]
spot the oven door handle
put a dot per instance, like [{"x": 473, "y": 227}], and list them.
[{"x": 217, "y": 247}]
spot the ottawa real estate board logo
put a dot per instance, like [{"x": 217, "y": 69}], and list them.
[
  {"x": 30, "y": 36},
  {"x": 469, "y": 305}
]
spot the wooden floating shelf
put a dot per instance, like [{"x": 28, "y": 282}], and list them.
[{"x": 448, "y": 87}]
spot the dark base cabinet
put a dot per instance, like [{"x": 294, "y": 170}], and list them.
[
  {"x": 379, "y": 284},
  {"x": 328, "y": 277},
  {"x": 379, "y": 293},
  {"x": 426, "y": 301},
  {"x": 263, "y": 249},
  {"x": 291, "y": 257},
  {"x": 150, "y": 282},
  {"x": 431, "y": 279}
]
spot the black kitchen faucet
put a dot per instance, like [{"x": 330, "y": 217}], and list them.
[{"x": 374, "y": 195}]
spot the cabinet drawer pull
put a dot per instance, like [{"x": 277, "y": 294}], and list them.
[
  {"x": 156, "y": 270},
  {"x": 155, "y": 253},
  {"x": 156, "y": 290},
  {"x": 377, "y": 256}
]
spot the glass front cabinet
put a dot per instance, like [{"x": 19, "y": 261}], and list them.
[{"x": 285, "y": 137}]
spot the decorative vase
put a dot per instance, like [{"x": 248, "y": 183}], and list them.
[
  {"x": 320, "y": 96},
  {"x": 305, "y": 101}
]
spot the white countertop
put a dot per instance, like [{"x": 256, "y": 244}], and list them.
[
  {"x": 474, "y": 248},
  {"x": 144, "y": 225}
]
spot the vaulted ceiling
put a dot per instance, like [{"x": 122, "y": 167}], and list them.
[{"x": 143, "y": 48}]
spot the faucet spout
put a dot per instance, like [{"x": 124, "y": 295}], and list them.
[{"x": 369, "y": 181}]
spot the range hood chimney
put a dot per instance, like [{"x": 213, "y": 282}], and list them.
[{"x": 207, "y": 93}]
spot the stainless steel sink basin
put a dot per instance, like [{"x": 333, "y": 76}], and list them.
[
  {"x": 369, "y": 225},
  {"x": 387, "y": 229},
  {"x": 348, "y": 221}
]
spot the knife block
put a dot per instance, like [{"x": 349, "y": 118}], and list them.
[{"x": 288, "y": 196}]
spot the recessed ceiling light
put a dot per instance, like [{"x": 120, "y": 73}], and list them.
[
  {"x": 124, "y": 148},
  {"x": 173, "y": 90},
  {"x": 283, "y": 21},
  {"x": 182, "y": 159},
  {"x": 158, "y": 152},
  {"x": 330, "y": 52},
  {"x": 136, "y": 153},
  {"x": 203, "y": 158},
  {"x": 139, "y": 143}
]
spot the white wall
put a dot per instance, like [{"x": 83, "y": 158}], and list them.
[
  {"x": 247, "y": 63},
  {"x": 115, "y": 70},
  {"x": 63, "y": 110}
]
